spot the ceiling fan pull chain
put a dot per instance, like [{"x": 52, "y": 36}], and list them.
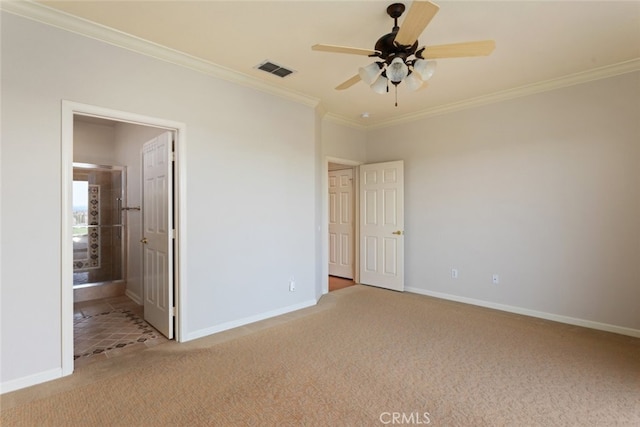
[{"x": 396, "y": 95}]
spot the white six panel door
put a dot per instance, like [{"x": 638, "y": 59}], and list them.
[
  {"x": 382, "y": 225},
  {"x": 341, "y": 249},
  {"x": 157, "y": 204}
]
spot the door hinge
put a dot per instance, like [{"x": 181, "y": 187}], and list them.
[
  {"x": 173, "y": 156},
  {"x": 172, "y": 312},
  {"x": 172, "y": 233}
]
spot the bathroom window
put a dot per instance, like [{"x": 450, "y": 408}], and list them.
[{"x": 80, "y": 220}]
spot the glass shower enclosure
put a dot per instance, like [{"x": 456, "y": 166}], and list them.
[{"x": 98, "y": 226}]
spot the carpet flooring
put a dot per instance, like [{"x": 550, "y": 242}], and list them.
[{"x": 362, "y": 357}]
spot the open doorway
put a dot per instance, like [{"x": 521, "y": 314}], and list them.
[
  {"x": 107, "y": 138},
  {"x": 342, "y": 229},
  {"x": 378, "y": 226},
  {"x": 108, "y": 314}
]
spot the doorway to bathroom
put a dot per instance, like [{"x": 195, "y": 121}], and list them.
[{"x": 103, "y": 201}]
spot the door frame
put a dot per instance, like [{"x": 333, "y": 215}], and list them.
[
  {"x": 324, "y": 263},
  {"x": 69, "y": 110},
  {"x": 352, "y": 221}
]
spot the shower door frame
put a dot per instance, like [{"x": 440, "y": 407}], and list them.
[
  {"x": 124, "y": 235},
  {"x": 69, "y": 109}
]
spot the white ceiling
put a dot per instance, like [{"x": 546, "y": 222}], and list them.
[{"x": 536, "y": 41}]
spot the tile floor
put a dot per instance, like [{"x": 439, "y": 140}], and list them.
[{"x": 110, "y": 327}]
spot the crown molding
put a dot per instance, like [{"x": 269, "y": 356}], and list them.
[
  {"x": 341, "y": 120},
  {"x": 56, "y": 18},
  {"x": 44, "y": 14},
  {"x": 321, "y": 110},
  {"x": 531, "y": 89}
]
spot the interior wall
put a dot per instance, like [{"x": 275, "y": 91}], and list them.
[
  {"x": 94, "y": 143},
  {"x": 339, "y": 143},
  {"x": 541, "y": 190},
  {"x": 343, "y": 142},
  {"x": 248, "y": 204}
]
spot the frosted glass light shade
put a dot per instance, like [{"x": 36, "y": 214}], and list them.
[
  {"x": 413, "y": 82},
  {"x": 369, "y": 73},
  {"x": 424, "y": 68},
  {"x": 380, "y": 85},
  {"x": 397, "y": 70}
]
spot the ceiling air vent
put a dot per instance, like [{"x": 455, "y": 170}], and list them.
[{"x": 274, "y": 69}]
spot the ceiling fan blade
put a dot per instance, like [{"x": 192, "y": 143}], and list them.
[
  {"x": 419, "y": 15},
  {"x": 353, "y": 80},
  {"x": 459, "y": 50},
  {"x": 344, "y": 49}
]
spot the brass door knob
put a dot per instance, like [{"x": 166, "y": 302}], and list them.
[
  {"x": 398, "y": 233},
  {"x": 143, "y": 240}
]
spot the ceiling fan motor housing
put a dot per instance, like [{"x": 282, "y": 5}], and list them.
[
  {"x": 386, "y": 44},
  {"x": 387, "y": 47}
]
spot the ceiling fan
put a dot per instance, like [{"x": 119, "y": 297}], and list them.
[{"x": 400, "y": 58}]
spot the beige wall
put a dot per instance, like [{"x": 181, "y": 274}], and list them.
[
  {"x": 340, "y": 143},
  {"x": 248, "y": 196},
  {"x": 93, "y": 143},
  {"x": 343, "y": 142},
  {"x": 543, "y": 190}
]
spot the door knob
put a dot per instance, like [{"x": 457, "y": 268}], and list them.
[
  {"x": 143, "y": 240},
  {"x": 398, "y": 233}
]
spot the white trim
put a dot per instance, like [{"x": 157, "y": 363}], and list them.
[
  {"x": 134, "y": 297},
  {"x": 517, "y": 92},
  {"x": 66, "y": 244},
  {"x": 28, "y": 381},
  {"x": 331, "y": 117},
  {"x": 56, "y": 18},
  {"x": 69, "y": 109},
  {"x": 532, "y": 313},
  {"x": 247, "y": 320}
]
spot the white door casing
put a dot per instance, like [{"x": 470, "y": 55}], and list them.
[
  {"x": 157, "y": 225},
  {"x": 341, "y": 250},
  {"x": 382, "y": 225},
  {"x": 69, "y": 110}
]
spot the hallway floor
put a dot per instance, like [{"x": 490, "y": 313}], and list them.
[
  {"x": 110, "y": 327},
  {"x": 336, "y": 283}
]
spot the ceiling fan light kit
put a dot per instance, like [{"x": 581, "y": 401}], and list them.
[
  {"x": 400, "y": 58},
  {"x": 413, "y": 82},
  {"x": 370, "y": 73},
  {"x": 424, "y": 68},
  {"x": 380, "y": 85},
  {"x": 397, "y": 70}
]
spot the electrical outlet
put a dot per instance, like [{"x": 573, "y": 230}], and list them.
[
  {"x": 496, "y": 279},
  {"x": 292, "y": 286},
  {"x": 454, "y": 273}
]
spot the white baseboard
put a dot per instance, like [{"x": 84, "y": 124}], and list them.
[
  {"x": 30, "y": 380},
  {"x": 247, "y": 320},
  {"x": 134, "y": 297},
  {"x": 533, "y": 313}
]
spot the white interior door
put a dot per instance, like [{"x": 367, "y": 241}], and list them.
[
  {"x": 341, "y": 249},
  {"x": 157, "y": 223},
  {"x": 382, "y": 225}
]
